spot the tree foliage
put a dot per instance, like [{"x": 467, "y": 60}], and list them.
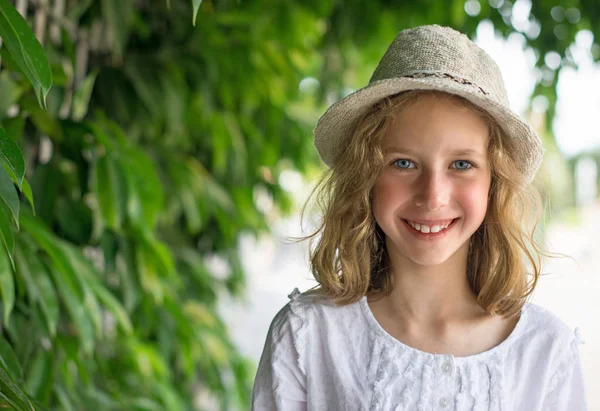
[{"x": 134, "y": 144}]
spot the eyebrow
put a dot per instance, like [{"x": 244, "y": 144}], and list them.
[{"x": 459, "y": 152}]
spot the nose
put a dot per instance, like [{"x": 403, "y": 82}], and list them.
[{"x": 432, "y": 190}]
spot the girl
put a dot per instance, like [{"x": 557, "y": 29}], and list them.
[{"x": 421, "y": 255}]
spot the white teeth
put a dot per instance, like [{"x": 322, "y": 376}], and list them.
[{"x": 426, "y": 229}]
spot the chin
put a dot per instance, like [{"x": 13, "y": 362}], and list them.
[
  {"x": 429, "y": 262},
  {"x": 432, "y": 256}
]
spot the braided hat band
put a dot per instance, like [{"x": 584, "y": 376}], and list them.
[{"x": 432, "y": 58}]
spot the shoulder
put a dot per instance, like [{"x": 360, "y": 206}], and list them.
[
  {"x": 548, "y": 335},
  {"x": 561, "y": 349},
  {"x": 301, "y": 322},
  {"x": 541, "y": 321},
  {"x": 311, "y": 309}
]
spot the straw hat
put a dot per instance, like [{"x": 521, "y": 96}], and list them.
[{"x": 433, "y": 58}]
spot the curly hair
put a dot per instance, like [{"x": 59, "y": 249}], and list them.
[{"x": 348, "y": 255}]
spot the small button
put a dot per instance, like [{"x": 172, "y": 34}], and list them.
[
  {"x": 444, "y": 402},
  {"x": 446, "y": 367}
]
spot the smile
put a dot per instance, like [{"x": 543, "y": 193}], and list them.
[{"x": 429, "y": 232}]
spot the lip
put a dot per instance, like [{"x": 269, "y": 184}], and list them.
[
  {"x": 430, "y": 236},
  {"x": 431, "y": 223}
]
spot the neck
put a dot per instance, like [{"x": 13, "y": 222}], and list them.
[{"x": 432, "y": 295}]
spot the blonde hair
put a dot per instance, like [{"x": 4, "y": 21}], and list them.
[{"x": 350, "y": 259}]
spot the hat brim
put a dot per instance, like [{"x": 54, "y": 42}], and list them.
[{"x": 336, "y": 125}]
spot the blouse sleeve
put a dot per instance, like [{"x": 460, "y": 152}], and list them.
[
  {"x": 280, "y": 382},
  {"x": 567, "y": 392}
]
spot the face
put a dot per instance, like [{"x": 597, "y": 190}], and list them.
[{"x": 435, "y": 172}]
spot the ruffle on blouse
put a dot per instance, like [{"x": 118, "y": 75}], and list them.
[
  {"x": 405, "y": 374},
  {"x": 496, "y": 380},
  {"x": 466, "y": 393},
  {"x": 299, "y": 325},
  {"x": 294, "y": 318},
  {"x": 427, "y": 385},
  {"x": 381, "y": 377},
  {"x": 397, "y": 366}
]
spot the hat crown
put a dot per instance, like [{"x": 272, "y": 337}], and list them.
[{"x": 442, "y": 51}]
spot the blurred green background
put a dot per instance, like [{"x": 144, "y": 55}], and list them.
[{"x": 135, "y": 143}]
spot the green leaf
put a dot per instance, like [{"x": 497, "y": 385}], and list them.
[
  {"x": 100, "y": 400},
  {"x": 144, "y": 404},
  {"x": 6, "y": 403},
  {"x": 13, "y": 393},
  {"x": 101, "y": 137},
  {"x": 81, "y": 98},
  {"x": 74, "y": 302},
  {"x": 7, "y": 284},
  {"x": 8, "y": 193},
  {"x": 196, "y": 5},
  {"x": 67, "y": 279},
  {"x": 39, "y": 375},
  {"x": 9, "y": 361},
  {"x": 151, "y": 363},
  {"x": 78, "y": 9},
  {"x": 160, "y": 253},
  {"x": 25, "y": 49},
  {"x": 44, "y": 186},
  {"x": 210, "y": 188},
  {"x": 241, "y": 368},
  {"x": 7, "y": 234},
  {"x": 112, "y": 304},
  {"x": 238, "y": 146},
  {"x": 169, "y": 396},
  {"x": 74, "y": 220},
  {"x": 89, "y": 278},
  {"x": 117, "y": 14},
  {"x": 92, "y": 309},
  {"x": 10, "y": 91},
  {"x": 64, "y": 399},
  {"x": 127, "y": 275},
  {"x": 109, "y": 192},
  {"x": 12, "y": 158},
  {"x": 29, "y": 195},
  {"x": 199, "y": 279},
  {"x": 54, "y": 247},
  {"x": 39, "y": 285},
  {"x": 144, "y": 79},
  {"x": 193, "y": 217},
  {"x": 14, "y": 127},
  {"x": 145, "y": 197},
  {"x": 92, "y": 312},
  {"x": 45, "y": 121},
  {"x": 457, "y": 13},
  {"x": 68, "y": 47},
  {"x": 149, "y": 274}
]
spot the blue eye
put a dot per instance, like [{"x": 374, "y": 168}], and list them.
[
  {"x": 401, "y": 164},
  {"x": 404, "y": 164},
  {"x": 466, "y": 164}
]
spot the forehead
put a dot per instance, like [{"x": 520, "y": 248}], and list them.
[{"x": 437, "y": 123}]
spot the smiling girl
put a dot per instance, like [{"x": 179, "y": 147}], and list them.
[{"x": 425, "y": 256}]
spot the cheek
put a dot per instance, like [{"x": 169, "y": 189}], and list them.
[
  {"x": 387, "y": 194},
  {"x": 474, "y": 200}
]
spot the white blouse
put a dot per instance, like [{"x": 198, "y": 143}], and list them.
[{"x": 321, "y": 357}]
